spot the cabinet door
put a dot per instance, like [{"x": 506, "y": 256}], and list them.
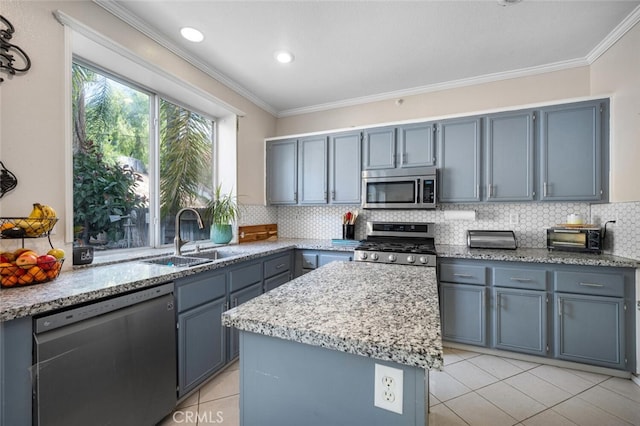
[
  {"x": 312, "y": 170},
  {"x": 324, "y": 258},
  {"x": 345, "y": 168},
  {"x": 201, "y": 344},
  {"x": 463, "y": 313},
  {"x": 459, "y": 160},
  {"x": 510, "y": 157},
  {"x": 238, "y": 298},
  {"x": 416, "y": 145},
  {"x": 379, "y": 148},
  {"x": 571, "y": 150},
  {"x": 520, "y": 320},
  {"x": 590, "y": 329},
  {"x": 282, "y": 177},
  {"x": 276, "y": 281}
]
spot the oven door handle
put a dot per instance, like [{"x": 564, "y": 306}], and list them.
[{"x": 417, "y": 191}]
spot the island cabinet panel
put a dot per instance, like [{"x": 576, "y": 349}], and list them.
[
  {"x": 282, "y": 172},
  {"x": 520, "y": 320},
  {"x": 571, "y": 152},
  {"x": 15, "y": 372},
  {"x": 345, "y": 168},
  {"x": 290, "y": 383},
  {"x": 236, "y": 299},
  {"x": 312, "y": 170},
  {"x": 459, "y": 160},
  {"x": 308, "y": 260},
  {"x": 510, "y": 158}
]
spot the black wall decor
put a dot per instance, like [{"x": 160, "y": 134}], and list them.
[{"x": 7, "y": 51}]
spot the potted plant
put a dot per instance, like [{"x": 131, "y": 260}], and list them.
[{"x": 221, "y": 211}]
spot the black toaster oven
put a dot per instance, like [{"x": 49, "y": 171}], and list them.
[{"x": 578, "y": 239}]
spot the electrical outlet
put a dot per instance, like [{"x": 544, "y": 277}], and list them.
[
  {"x": 513, "y": 219},
  {"x": 388, "y": 388}
]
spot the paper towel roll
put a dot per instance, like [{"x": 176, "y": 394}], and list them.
[{"x": 459, "y": 215}]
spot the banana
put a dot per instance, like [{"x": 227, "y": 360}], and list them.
[
  {"x": 32, "y": 227},
  {"x": 37, "y": 212},
  {"x": 48, "y": 211},
  {"x": 45, "y": 218}
]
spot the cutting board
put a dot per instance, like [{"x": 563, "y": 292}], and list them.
[{"x": 251, "y": 233}]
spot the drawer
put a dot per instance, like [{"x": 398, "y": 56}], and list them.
[
  {"x": 276, "y": 281},
  {"x": 309, "y": 260},
  {"x": 464, "y": 274},
  {"x": 243, "y": 277},
  {"x": 589, "y": 283},
  {"x": 529, "y": 279},
  {"x": 202, "y": 288},
  {"x": 277, "y": 265}
]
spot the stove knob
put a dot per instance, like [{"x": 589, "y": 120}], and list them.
[
  {"x": 374, "y": 256},
  {"x": 423, "y": 259},
  {"x": 411, "y": 259},
  {"x": 392, "y": 258},
  {"x": 363, "y": 256}
]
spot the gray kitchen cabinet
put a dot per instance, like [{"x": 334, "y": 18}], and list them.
[
  {"x": 345, "y": 168},
  {"x": 459, "y": 160},
  {"x": 590, "y": 329},
  {"x": 201, "y": 299},
  {"x": 463, "y": 313},
  {"x": 308, "y": 260},
  {"x": 416, "y": 146},
  {"x": 16, "y": 366},
  {"x": 236, "y": 299},
  {"x": 571, "y": 152},
  {"x": 278, "y": 270},
  {"x": 520, "y": 320},
  {"x": 312, "y": 170},
  {"x": 282, "y": 172},
  {"x": 379, "y": 148},
  {"x": 509, "y": 165}
]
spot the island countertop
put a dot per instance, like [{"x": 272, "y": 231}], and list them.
[{"x": 387, "y": 312}]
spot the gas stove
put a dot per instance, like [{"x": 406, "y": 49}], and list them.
[{"x": 404, "y": 243}]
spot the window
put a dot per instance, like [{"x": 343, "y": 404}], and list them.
[{"x": 119, "y": 201}]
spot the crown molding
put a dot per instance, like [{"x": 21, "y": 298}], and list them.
[
  {"x": 616, "y": 34},
  {"x": 454, "y": 84},
  {"x": 138, "y": 24}
]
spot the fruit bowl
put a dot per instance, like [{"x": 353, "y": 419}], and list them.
[
  {"x": 21, "y": 227},
  {"x": 14, "y": 275}
]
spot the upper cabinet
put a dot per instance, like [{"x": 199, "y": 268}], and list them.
[
  {"x": 459, "y": 144},
  {"x": 315, "y": 170},
  {"x": 571, "y": 152},
  {"x": 282, "y": 175},
  {"x": 411, "y": 145},
  {"x": 509, "y": 160}
]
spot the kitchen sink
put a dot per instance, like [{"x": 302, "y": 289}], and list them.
[
  {"x": 215, "y": 254},
  {"x": 178, "y": 260}
]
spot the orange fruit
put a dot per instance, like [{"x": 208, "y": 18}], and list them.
[
  {"x": 25, "y": 279},
  {"x": 37, "y": 273},
  {"x": 9, "y": 280}
]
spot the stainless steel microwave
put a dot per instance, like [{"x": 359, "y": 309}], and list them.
[{"x": 413, "y": 188}]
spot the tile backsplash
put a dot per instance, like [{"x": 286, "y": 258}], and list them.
[{"x": 527, "y": 220}]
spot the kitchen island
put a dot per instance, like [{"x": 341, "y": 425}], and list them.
[{"x": 309, "y": 348}]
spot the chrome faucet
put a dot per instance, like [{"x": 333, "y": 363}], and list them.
[{"x": 177, "y": 241}]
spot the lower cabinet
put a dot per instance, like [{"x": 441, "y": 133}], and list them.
[
  {"x": 238, "y": 298},
  {"x": 590, "y": 329},
  {"x": 570, "y": 312},
  {"x": 463, "y": 313},
  {"x": 308, "y": 260},
  {"x": 520, "y": 320}
]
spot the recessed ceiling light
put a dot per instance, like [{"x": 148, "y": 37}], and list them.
[
  {"x": 283, "y": 56},
  {"x": 191, "y": 34}
]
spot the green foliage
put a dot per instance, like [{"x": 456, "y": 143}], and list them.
[
  {"x": 223, "y": 209},
  {"x": 100, "y": 189}
]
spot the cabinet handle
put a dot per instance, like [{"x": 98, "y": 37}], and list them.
[
  {"x": 280, "y": 266},
  {"x": 404, "y": 158},
  {"x": 559, "y": 307},
  {"x": 226, "y": 305},
  {"x": 463, "y": 275},
  {"x": 544, "y": 189},
  {"x": 333, "y": 195},
  {"x": 488, "y": 190},
  {"x": 476, "y": 191},
  {"x": 521, "y": 280},
  {"x": 235, "y": 302},
  {"x": 591, "y": 285},
  {"x": 325, "y": 195},
  {"x": 295, "y": 197}
]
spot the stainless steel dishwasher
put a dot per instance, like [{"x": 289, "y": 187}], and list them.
[{"x": 107, "y": 363}]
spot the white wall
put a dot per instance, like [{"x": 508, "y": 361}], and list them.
[
  {"x": 32, "y": 122},
  {"x": 618, "y": 72}
]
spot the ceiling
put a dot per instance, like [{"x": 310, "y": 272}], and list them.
[{"x": 350, "y": 52}]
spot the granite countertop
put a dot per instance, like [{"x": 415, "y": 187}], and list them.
[
  {"x": 535, "y": 255},
  {"x": 113, "y": 276},
  {"x": 387, "y": 312}
]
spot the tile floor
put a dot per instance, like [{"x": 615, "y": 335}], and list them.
[{"x": 473, "y": 389}]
